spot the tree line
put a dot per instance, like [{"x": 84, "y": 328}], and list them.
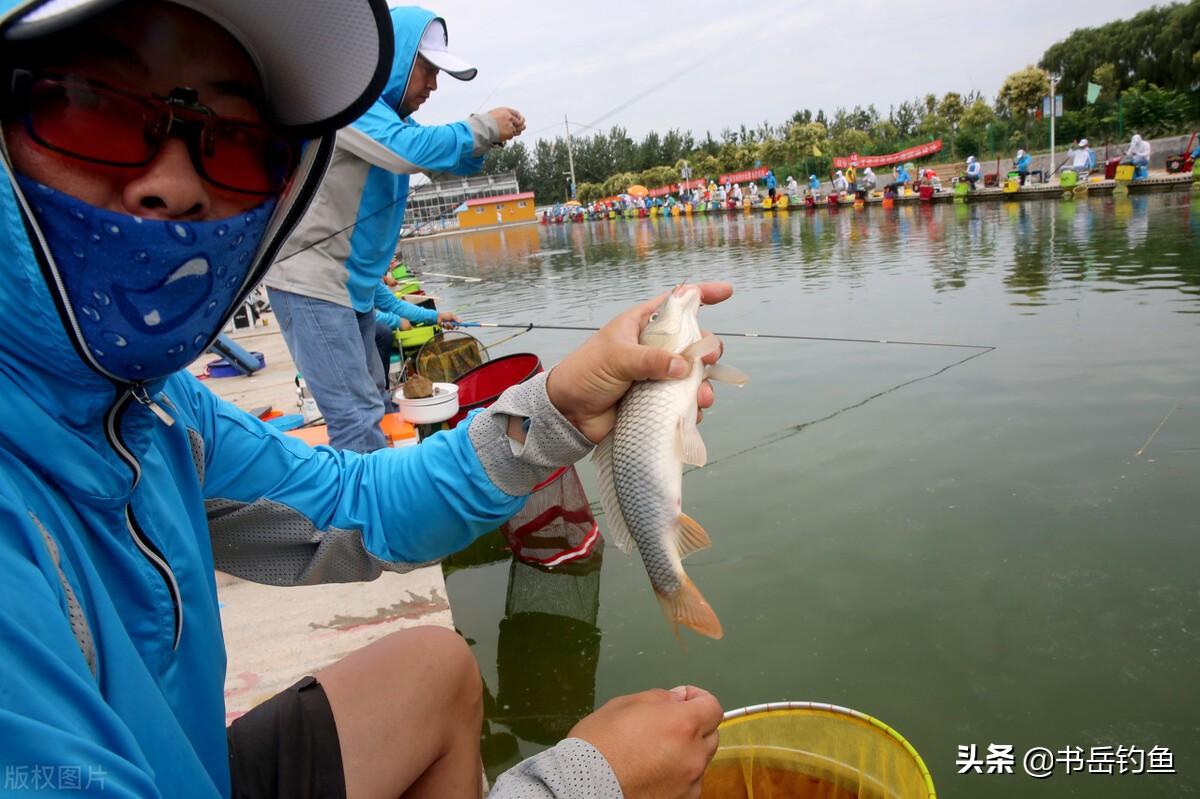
[{"x": 1148, "y": 68}]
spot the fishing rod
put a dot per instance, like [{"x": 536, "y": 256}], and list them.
[{"x": 531, "y": 326}]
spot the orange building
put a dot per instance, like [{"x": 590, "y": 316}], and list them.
[{"x": 503, "y": 210}]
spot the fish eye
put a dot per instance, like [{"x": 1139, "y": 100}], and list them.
[{"x": 654, "y": 316}]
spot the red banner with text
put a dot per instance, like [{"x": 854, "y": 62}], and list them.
[
  {"x": 743, "y": 176},
  {"x": 912, "y": 153}
]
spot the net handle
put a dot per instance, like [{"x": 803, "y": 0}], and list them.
[{"x": 749, "y": 710}]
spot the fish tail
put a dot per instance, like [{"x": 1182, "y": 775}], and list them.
[{"x": 687, "y": 607}]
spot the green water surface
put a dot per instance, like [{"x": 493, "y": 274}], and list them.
[{"x": 975, "y": 554}]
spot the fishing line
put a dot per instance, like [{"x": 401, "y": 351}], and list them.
[
  {"x": 343, "y": 230},
  {"x": 507, "y": 338},
  {"x": 705, "y": 59},
  {"x": 491, "y": 93},
  {"x": 532, "y": 326},
  {"x": 794, "y": 430},
  {"x": 1138, "y": 454}
]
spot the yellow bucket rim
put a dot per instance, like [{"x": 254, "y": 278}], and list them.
[{"x": 743, "y": 714}]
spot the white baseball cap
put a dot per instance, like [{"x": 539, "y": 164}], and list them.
[
  {"x": 322, "y": 62},
  {"x": 433, "y": 48}
]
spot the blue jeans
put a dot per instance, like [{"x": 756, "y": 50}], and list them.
[
  {"x": 334, "y": 349},
  {"x": 385, "y": 342}
]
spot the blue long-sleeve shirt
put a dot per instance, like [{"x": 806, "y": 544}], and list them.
[
  {"x": 346, "y": 240},
  {"x": 389, "y": 309}
]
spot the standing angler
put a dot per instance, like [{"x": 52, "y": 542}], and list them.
[{"x": 640, "y": 464}]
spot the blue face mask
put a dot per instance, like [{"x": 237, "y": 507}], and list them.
[{"x": 148, "y": 295}]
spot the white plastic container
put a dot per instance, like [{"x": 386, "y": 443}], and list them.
[{"x": 429, "y": 410}]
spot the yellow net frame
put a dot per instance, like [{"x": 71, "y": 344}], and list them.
[{"x": 813, "y": 750}]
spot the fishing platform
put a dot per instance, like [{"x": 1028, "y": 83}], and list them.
[{"x": 1155, "y": 184}]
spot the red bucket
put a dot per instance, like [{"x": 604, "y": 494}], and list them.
[
  {"x": 484, "y": 384},
  {"x": 926, "y": 193}
]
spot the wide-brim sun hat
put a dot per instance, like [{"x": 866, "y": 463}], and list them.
[{"x": 322, "y": 62}]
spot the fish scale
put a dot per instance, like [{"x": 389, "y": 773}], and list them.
[
  {"x": 645, "y": 437},
  {"x": 639, "y": 465}
]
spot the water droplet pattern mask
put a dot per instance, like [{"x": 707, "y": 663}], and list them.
[{"x": 147, "y": 294}]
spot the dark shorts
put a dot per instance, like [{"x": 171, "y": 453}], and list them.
[{"x": 287, "y": 747}]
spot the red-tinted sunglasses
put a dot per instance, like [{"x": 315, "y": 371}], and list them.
[{"x": 102, "y": 124}]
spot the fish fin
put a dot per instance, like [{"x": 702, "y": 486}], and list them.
[
  {"x": 690, "y": 536},
  {"x": 687, "y": 607},
  {"x": 705, "y": 346},
  {"x": 724, "y": 373},
  {"x": 691, "y": 445},
  {"x": 618, "y": 531}
]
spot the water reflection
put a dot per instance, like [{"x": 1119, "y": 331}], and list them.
[
  {"x": 1041, "y": 248},
  {"x": 547, "y": 650},
  {"x": 930, "y": 555}
]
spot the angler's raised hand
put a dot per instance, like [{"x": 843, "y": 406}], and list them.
[
  {"x": 510, "y": 122},
  {"x": 589, "y": 382}
]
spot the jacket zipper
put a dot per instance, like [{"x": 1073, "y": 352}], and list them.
[
  {"x": 151, "y": 552},
  {"x": 137, "y": 391}
]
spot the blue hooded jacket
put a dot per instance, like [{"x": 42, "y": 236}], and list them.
[
  {"x": 113, "y": 521},
  {"x": 347, "y": 239}
]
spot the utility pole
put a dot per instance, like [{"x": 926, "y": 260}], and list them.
[
  {"x": 570, "y": 157},
  {"x": 1052, "y": 109}
]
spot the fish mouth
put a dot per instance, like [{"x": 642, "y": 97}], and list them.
[{"x": 684, "y": 289}]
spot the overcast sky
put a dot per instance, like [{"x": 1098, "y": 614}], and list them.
[{"x": 742, "y": 63}]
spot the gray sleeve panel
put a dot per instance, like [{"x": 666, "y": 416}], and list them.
[
  {"x": 79, "y": 624},
  {"x": 572, "y": 770},
  {"x": 374, "y": 153},
  {"x": 268, "y": 542},
  {"x": 196, "y": 441},
  {"x": 486, "y": 132},
  {"x": 312, "y": 262},
  {"x": 551, "y": 441}
]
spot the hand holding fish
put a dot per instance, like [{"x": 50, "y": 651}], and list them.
[
  {"x": 587, "y": 385},
  {"x": 639, "y": 464},
  {"x": 657, "y": 742}
]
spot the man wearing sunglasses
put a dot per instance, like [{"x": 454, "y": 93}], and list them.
[
  {"x": 325, "y": 286},
  {"x": 156, "y": 156}
]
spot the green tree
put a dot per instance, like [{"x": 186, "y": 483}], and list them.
[
  {"x": 951, "y": 108},
  {"x": 978, "y": 115},
  {"x": 934, "y": 126},
  {"x": 1152, "y": 111},
  {"x": 906, "y": 118},
  {"x": 1157, "y": 45},
  {"x": 885, "y": 134},
  {"x": 1022, "y": 92},
  {"x": 851, "y": 141},
  {"x": 1106, "y": 76},
  {"x": 807, "y": 139},
  {"x": 589, "y": 192},
  {"x": 774, "y": 153}
]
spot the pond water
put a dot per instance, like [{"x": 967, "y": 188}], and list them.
[{"x": 999, "y": 549}]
